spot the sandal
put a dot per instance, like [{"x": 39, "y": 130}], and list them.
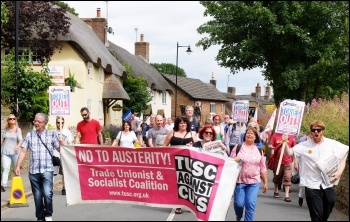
[
  {"x": 178, "y": 211},
  {"x": 276, "y": 195},
  {"x": 287, "y": 199}
]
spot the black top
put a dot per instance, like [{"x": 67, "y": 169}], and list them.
[
  {"x": 180, "y": 141},
  {"x": 197, "y": 144}
]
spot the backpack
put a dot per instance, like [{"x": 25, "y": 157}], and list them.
[{"x": 239, "y": 147}]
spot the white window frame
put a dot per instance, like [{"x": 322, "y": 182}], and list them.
[
  {"x": 34, "y": 59},
  {"x": 164, "y": 97},
  {"x": 100, "y": 74},
  {"x": 212, "y": 108},
  {"x": 90, "y": 69},
  {"x": 89, "y": 106},
  {"x": 100, "y": 110}
]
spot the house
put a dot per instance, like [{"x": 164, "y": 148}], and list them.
[
  {"x": 258, "y": 105},
  {"x": 206, "y": 99},
  {"x": 158, "y": 86},
  {"x": 95, "y": 69}
]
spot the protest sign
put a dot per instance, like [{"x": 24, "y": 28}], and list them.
[
  {"x": 290, "y": 116},
  {"x": 159, "y": 177},
  {"x": 240, "y": 110},
  {"x": 59, "y": 100}
]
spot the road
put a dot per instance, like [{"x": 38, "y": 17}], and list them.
[{"x": 268, "y": 209}]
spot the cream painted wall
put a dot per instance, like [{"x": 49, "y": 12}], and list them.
[
  {"x": 157, "y": 103},
  {"x": 92, "y": 88}
]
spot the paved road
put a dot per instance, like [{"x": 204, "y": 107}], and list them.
[{"x": 268, "y": 209}]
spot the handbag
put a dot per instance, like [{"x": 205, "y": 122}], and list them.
[
  {"x": 55, "y": 160},
  {"x": 295, "y": 179},
  {"x": 271, "y": 163}
]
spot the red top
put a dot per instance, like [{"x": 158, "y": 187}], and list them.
[
  {"x": 276, "y": 142},
  {"x": 89, "y": 131}
]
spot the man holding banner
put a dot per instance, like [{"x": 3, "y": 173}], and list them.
[{"x": 322, "y": 162}]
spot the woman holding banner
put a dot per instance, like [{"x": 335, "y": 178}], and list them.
[{"x": 252, "y": 172}]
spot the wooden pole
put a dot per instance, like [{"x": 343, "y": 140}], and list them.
[{"x": 281, "y": 156}]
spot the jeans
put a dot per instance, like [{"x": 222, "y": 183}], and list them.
[
  {"x": 42, "y": 189},
  {"x": 245, "y": 195},
  {"x": 6, "y": 164}
]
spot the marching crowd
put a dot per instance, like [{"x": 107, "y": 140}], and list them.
[{"x": 241, "y": 141}]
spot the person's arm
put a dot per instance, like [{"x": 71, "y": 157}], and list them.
[
  {"x": 338, "y": 173},
  {"x": 263, "y": 176},
  {"x": 20, "y": 140},
  {"x": 100, "y": 138},
  {"x": 21, "y": 156},
  {"x": 287, "y": 151},
  {"x": 168, "y": 137},
  {"x": 77, "y": 138},
  {"x": 150, "y": 139},
  {"x": 116, "y": 140}
]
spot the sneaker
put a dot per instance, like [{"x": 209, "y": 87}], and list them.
[
  {"x": 301, "y": 201},
  {"x": 3, "y": 188},
  {"x": 48, "y": 218},
  {"x": 63, "y": 191}
]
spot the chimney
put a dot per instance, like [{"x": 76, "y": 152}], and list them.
[
  {"x": 142, "y": 49},
  {"x": 99, "y": 25},
  {"x": 213, "y": 81},
  {"x": 231, "y": 90},
  {"x": 267, "y": 92},
  {"x": 258, "y": 90}
]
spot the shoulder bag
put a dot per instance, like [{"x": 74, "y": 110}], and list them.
[
  {"x": 55, "y": 160},
  {"x": 273, "y": 160}
]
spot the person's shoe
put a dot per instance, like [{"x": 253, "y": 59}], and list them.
[
  {"x": 301, "y": 201},
  {"x": 3, "y": 188},
  {"x": 287, "y": 199},
  {"x": 48, "y": 218},
  {"x": 63, "y": 191},
  {"x": 276, "y": 195}
]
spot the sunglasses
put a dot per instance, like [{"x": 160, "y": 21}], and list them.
[
  {"x": 59, "y": 122},
  {"x": 83, "y": 115},
  {"x": 208, "y": 133},
  {"x": 12, "y": 119},
  {"x": 316, "y": 130}
]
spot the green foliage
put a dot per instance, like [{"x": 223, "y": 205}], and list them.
[
  {"x": 168, "y": 68},
  {"x": 32, "y": 87},
  {"x": 139, "y": 94},
  {"x": 71, "y": 81},
  {"x": 334, "y": 113},
  {"x": 40, "y": 27},
  {"x": 66, "y": 7},
  {"x": 4, "y": 17},
  {"x": 111, "y": 131},
  {"x": 302, "y": 47}
]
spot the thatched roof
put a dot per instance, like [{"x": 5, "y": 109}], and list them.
[
  {"x": 196, "y": 89},
  {"x": 86, "y": 42},
  {"x": 83, "y": 39},
  {"x": 140, "y": 68}
]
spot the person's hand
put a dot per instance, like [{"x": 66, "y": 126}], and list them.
[
  {"x": 285, "y": 137},
  {"x": 237, "y": 159},
  {"x": 16, "y": 149},
  {"x": 189, "y": 144},
  {"x": 335, "y": 176},
  {"x": 265, "y": 188},
  {"x": 17, "y": 171}
]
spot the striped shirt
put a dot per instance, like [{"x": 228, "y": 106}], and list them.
[{"x": 40, "y": 158}]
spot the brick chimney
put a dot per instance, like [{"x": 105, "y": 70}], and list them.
[
  {"x": 213, "y": 81},
  {"x": 142, "y": 49},
  {"x": 231, "y": 90},
  {"x": 99, "y": 25},
  {"x": 258, "y": 90},
  {"x": 267, "y": 92}
]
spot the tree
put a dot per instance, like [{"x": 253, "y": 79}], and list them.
[
  {"x": 168, "y": 68},
  {"x": 4, "y": 17},
  {"x": 136, "y": 87},
  {"x": 66, "y": 7},
  {"x": 299, "y": 45},
  {"x": 40, "y": 26},
  {"x": 33, "y": 96}
]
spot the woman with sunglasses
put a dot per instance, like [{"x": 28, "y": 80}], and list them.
[
  {"x": 207, "y": 134},
  {"x": 10, "y": 147}
]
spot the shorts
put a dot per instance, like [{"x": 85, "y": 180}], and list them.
[{"x": 284, "y": 176}]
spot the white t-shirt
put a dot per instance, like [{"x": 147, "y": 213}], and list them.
[
  {"x": 308, "y": 153},
  {"x": 127, "y": 140}
]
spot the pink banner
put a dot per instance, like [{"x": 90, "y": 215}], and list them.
[{"x": 163, "y": 177}]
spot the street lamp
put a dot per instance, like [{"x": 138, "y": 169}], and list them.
[{"x": 177, "y": 57}]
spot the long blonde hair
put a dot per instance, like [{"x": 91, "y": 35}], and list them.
[{"x": 11, "y": 115}]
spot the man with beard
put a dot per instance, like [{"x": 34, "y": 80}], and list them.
[{"x": 88, "y": 130}]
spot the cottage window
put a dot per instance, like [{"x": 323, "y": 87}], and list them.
[
  {"x": 212, "y": 108},
  {"x": 27, "y": 54},
  {"x": 164, "y": 97},
  {"x": 90, "y": 69}
]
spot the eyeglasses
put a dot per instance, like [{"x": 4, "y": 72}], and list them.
[
  {"x": 60, "y": 122},
  {"x": 316, "y": 130},
  {"x": 83, "y": 115},
  {"x": 12, "y": 119},
  {"x": 36, "y": 121},
  {"x": 216, "y": 119},
  {"x": 208, "y": 133}
]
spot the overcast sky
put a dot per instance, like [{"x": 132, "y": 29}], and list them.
[{"x": 163, "y": 24}]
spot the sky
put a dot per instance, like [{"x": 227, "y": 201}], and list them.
[{"x": 164, "y": 24}]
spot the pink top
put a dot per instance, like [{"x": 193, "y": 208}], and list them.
[{"x": 252, "y": 164}]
